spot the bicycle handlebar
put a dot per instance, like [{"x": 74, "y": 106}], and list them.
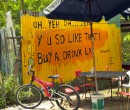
[{"x": 30, "y": 71}]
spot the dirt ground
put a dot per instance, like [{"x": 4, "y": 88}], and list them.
[{"x": 85, "y": 103}]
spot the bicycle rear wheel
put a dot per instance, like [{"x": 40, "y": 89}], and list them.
[
  {"x": 67, "y": 98},
  {"x": 29, "y": 96}
]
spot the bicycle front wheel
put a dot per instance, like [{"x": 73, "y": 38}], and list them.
[
  {"x": 29, "y": 96},
  {"x": 67, "y": 98}
]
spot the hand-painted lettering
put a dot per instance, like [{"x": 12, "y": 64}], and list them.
[
  {"x": 53, "y": 24},
  {"x": 84, "y": 23},
  {"x": 67, "y": 23},
  {"x": 88, "y": 51},
  {"x": 72, "y": 54},
  {"x": 49, "y": 40},
  {"x": 60, "y": 39},
  {"x": 87, "y": 36},
  {"x": 39, "y": 39},
  {"x": 77, "y": 37},
  {"x": 56, "y": 57},
  {"x": 37, "y": 24},
  {"x": 44, "y": 58}
]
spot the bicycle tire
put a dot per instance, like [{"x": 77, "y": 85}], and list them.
[
  {"x": 68, "y": 97},
  {"x": 29, "y": 96}
]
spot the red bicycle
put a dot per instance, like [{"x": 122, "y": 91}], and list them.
[{"x": 30, "y": 96}]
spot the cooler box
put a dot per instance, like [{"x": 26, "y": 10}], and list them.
[{"x": 97, "y": 101}]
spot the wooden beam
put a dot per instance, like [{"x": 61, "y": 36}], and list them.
[
  {"x": 125, "y": 22},
  {"x": 125, "y": 26},
  {"x": 125, "y": 29},
  {"x": 14, "y": 37}
]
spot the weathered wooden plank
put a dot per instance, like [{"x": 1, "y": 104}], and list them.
[
  {"x": 0, "y": 49},
  {"x": 14, "y": 37},
  {"x": 8, "y": 46},
  {"x": 11, "y": 43},
  {"x": 4, "y": 62}
]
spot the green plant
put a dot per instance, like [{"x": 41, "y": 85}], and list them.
[
  {"x": 2, "y": 97},
  {"x": 10, "y": 86},
  {"x": 2, "y": 93},
  {"x": 8, "y": 90}
]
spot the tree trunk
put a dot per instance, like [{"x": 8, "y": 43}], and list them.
[{"x": 22, "y": 4}]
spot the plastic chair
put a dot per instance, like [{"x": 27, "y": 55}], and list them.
[
  {"x": 127, "y": 81},
  {"x": 126, "y": 86},
  {"x": 114, "y": 80},
  {"x": 120, "y": 80},
  {"x": 82, "y": 83},
  {"x": 122, "y": 94},
  {"x": 124, "y": 82},
  {"x": 69, "y": 91}
]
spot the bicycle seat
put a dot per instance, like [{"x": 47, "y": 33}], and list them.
[{"x": 54, "y": 76}]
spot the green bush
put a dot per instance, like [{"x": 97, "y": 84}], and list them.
[
  {"x": 8, "y": 90},
  {"x": 2, "y": 97}
]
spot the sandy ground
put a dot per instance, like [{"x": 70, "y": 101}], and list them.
[{"x": 85, "y": 104}]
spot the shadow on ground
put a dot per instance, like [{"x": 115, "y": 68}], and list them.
[{"x": 85, "y": 103}]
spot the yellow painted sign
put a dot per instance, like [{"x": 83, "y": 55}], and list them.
[{"x": 62, "y": 47}]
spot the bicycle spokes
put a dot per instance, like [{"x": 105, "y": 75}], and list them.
[{"x": 29, "y": 96}]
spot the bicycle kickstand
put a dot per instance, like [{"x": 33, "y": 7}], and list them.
[{"x": 52, "y": 103}]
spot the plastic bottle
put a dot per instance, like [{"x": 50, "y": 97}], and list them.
[{"x": 92, "y": 70}]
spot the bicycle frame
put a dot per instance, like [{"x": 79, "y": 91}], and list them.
[
  {"x": 63, "y": 95},
  {"x": 43, "y": 84}
]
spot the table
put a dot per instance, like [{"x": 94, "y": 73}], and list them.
[{"x": 104, "y": 75}]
